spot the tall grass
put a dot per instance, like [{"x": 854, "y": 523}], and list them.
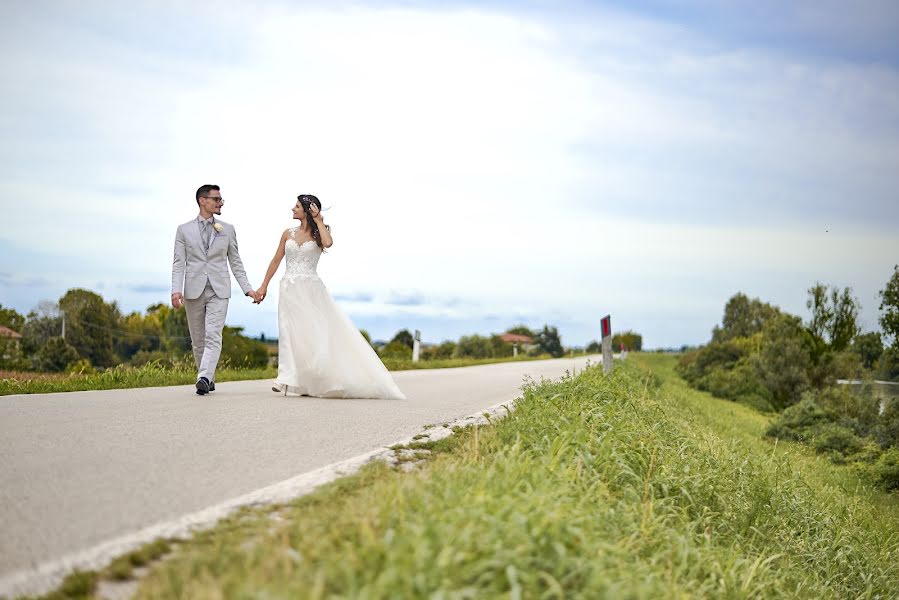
[{"x": 632, "y": 486}]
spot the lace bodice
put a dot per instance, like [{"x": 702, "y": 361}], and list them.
[{"x": 302, "y": 258}]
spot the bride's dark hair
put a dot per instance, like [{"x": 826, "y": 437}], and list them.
[{"x": 306, "y": 200}]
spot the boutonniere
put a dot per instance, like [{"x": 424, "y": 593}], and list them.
[{"x": 218, "y": 227}]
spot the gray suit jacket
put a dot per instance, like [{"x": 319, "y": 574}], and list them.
[{"x": 193, "y": 265}]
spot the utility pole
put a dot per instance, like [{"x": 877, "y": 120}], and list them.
[{"x": 63, "y": 324}]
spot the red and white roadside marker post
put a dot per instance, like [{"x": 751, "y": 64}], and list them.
[{"x": 607, "y": 344}]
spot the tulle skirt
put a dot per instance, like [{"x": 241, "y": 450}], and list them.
[{"x": 320, "y": 352}]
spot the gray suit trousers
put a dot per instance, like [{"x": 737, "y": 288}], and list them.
[{"x": 206, "y": 318}]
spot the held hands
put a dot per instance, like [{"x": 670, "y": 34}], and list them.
[
  {"x": 260, "y": 294},
  {"x": 177, "y": 300},
  {"x": 254, "y": 296}
]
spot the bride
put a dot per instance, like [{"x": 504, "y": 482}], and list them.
[{"x": 320, "y": 351}]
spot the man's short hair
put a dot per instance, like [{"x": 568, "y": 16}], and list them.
[{"x": 204, "y": 190}]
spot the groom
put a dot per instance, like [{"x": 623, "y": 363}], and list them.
[{"x": 201, "y": 282}]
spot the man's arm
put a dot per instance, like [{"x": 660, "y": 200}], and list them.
[
  {"x": 178, "y": 263},
  {"x": 237, "y": 266}
]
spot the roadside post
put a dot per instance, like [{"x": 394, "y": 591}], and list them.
[
  {"x": 607, "y": 344},
  {"x": 416, "y": 346}
]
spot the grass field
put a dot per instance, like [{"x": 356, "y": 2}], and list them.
[{"x": 633, "y": 486}]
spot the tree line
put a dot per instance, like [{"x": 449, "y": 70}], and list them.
[
  {"x": 545, "y": 341},
  {"x": 83, "y": 333},
  {"x": 778, "y": 362}
]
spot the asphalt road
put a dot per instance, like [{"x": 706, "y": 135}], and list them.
[{"x": 80, "y": 468}]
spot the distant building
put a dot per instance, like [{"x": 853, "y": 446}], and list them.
[
  {"x": 8, "y": 334},
  {"x": 514, "y": 338},
  {"x": 524, "y": 342}
]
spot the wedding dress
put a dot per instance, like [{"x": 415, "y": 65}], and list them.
[{"x": 320, "y": 352}]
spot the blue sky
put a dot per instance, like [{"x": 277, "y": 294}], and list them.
[{"x": 484, "y": 164}]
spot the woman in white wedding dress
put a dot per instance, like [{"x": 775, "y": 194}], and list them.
[{"x": 320, "y": 352}]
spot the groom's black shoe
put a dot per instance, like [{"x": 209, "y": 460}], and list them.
[{"x": 202, "y": 386}]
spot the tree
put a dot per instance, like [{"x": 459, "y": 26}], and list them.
[
  {"x": 56, "y": 355},
  {"x": 90, "y": 324},
  {"x": 10, "y": 348},
  {"x": 498, "y": 347},
  {"x": 443, "y": 350},
  {"x": 699, "y": 363},
  {"x": 548, "y": 341},
  {"x": 889, "y": 308},
  {"x": 12, "y": 319},
  {"x": 404, "y": 337},
  {"x": 743, "y": 317},
  {"x": 888, "y": 366},
  {"x": 631, "y": 340},
  {"x": 594, "y": 347},
  {"x": 42, "y": 323},
  {"x": 138, "y": 333},
  {"x": 869, "y": 347},
  {"x": 784, "y": 360},
  {"x": 473, "y": 346},
  {"x": 173, "y": 324},
  {"x": 239, "y": 351},
  {"x": 834, "y": 319},
  {"x": 396, "y": 349}
]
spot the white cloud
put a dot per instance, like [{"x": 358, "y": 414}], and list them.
[{"x": 482, "y": 162}]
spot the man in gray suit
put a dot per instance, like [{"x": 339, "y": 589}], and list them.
[{"x": 204, "y": 247}]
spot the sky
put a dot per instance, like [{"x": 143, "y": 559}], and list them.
[{"x": 482, "y": 164}]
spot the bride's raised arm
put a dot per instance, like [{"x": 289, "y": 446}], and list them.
[
  {"x": 273, "y": 266},
  {"x": 324, "y": 231}
]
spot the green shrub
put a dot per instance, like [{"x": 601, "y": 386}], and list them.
[
  {"x": 886, "y": 432},
  {"x": 82, "y": 366},
  {"x": 441, "y": 351},
  {"x": 784, "y": 360},
  {"x": 696, "y": 365},
  {"x": 396, "y": 349},
  {"x": 55, "y": 356},
  {"x": 11, "y": 356},
  {"x": 799, "y": 422},
  {"x": 836, "y": 441},
  {"x": 740, "y": 383},
  {"x": 888, "y": 365},
  {"x": 473, "y": 346},
  {"x": 869, "y": 348},
  {"x": 886, "y": 469},
  {"x": 241, "y": 352},
  {"x": 853, "y": 407},
  {"x": 847, "y": 365}
]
